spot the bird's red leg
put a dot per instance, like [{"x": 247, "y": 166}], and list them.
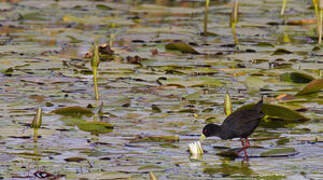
[
  {"x": 242, "y": 143},
  {"x": 247, "y": 143},
  {"x": 245, "y": 148}
]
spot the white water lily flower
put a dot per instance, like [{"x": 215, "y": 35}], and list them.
[{"x": 195, "y": 148}]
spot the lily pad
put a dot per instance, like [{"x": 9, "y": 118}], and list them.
[
  {"x": 181, "y": 46},
  {"x": 168, "y": 145},
  {"x": 75, "y": 159},
  {"x": 296, "y": 77},
  {"x": 227, "y": 169},
  {"x": 192, "y": 82},
  {"x": 149, "y": 167},
  {"x": 156, "y": 139},
  {"x": 95, "y": 127},
  {"x": 228, "y": 153},
  {"x": 279, "y": 112},
  {"x": 73, "y": 111},
  {"x": 278, "y": 152},
  {"x": 281, "y": 51},
  {"x": 282, "y": 141},
  {"x": 312, "y": 87}
]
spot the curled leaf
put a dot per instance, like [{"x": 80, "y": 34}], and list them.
[
  {"x": 95, "y": 61},
  {"x": 36, "y": 123},
  {"x": 227, "y": 105}
]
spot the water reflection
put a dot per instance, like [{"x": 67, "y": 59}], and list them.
[{"x": 228, "y": 168}]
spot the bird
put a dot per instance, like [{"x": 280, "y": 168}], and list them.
[{"x": 239, "y": 124}]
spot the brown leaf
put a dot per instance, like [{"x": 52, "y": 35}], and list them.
[
  {"x": 154, "y": 52},
  {"x": 134, "y": 60},
  {"x": 301, "y": 22}
]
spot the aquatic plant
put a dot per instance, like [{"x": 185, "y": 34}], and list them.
[
  {"x": 36, "y": 123},
  {"x": 207, "y": 2},
  {"x": 95, "y": 61},
  {"x": 234, "y": 20},
  {"x": 227, "y": 104},
  {"x": 195, "y": 149},
  {"x": 282, "y": 11}
]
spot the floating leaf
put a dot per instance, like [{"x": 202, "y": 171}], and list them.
[
  {"x": 297, "y": 77},
  {"x": 181, "y": 46},
  {"x": 265, "y": 44},
  {"x": 95, "y": 127},
  {"x": 228, "y": 169},
  {"x": 193, "y": 82},
  {"x": 227, "y": 105},
  {"x": 34, "y": 16},
  {"x": 155, "y": 108},
  {"x": 282, "y": 141},
  {"x": 9, "y": 71},
  {"x": 75, "y": 159},
  {"x": 168, "y": 145},
  {"x": 73, "y": 111},
  {"x": 149, "y": 167},
  {"x": 103, "y": 7},
  {"x": 156, "y": 139},
  {"x": 301, "y": 22},
  {"x": 278, "y": 152},
  {"x": 29, "y": 154},
  {"x": 228, "y": 153},
  {"x": 255, "y": 83},
  {"x": 37, "y": 121},
  {"x": 279, "y": 112},
  {"x": 312, "y": 87},
  {"x": 281, "y": 51}
]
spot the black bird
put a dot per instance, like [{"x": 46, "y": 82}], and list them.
[{"x": 239, "y": 124}]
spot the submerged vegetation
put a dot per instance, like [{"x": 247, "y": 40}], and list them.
[{"x": 167, "y": 68}]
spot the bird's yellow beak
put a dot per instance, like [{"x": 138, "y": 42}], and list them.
[{"x": 202, "y": 137}]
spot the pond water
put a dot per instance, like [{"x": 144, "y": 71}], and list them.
[{"x": 158, "y": 104}]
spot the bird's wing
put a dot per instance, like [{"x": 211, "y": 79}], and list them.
[{"x": 241, "y": 123}]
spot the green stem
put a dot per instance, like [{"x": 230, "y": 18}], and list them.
[
  {"x": 35, "y": 134},
  {"x": 233, "y": 27},
  {"x": 320, "y": 27},
  {"x": 283, "y": 7},
  {"x": 206, "y": 12},
  {"x": 319, "y": 20},
  {"x": 95, "y": 84}
]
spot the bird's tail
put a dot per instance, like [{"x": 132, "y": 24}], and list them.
[{"x": 258, "y": 106}]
